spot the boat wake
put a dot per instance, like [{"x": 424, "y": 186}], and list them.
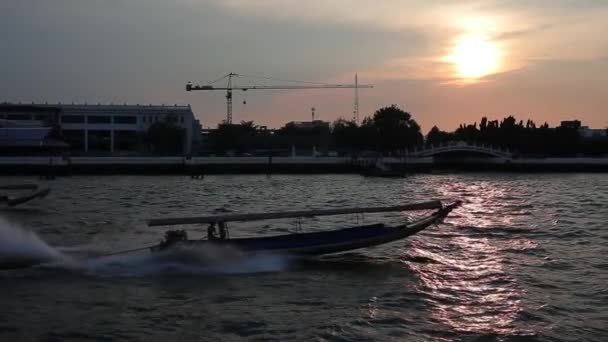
[
  {"x": 20, "y": 248},
  {"x": 213, "y": 260}
]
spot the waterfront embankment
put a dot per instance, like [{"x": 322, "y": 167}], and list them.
[{"x": 287, "y": 165}]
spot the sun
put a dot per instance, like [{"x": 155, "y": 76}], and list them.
[{"x": 474, "y": 57}]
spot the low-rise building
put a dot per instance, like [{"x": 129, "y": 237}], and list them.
[
  {"x": 584, "y": 131},
  {"x": 103, "y": 128},
  {"x": 573, "y": 124},
  {"x": 592, "y": 133},
  {"x": 29, "y": 138}
]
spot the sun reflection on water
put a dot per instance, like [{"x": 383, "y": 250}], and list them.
[{"x": 468, "y": 284}]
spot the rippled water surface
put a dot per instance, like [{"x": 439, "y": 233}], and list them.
[{"x": 525, "y": 258}]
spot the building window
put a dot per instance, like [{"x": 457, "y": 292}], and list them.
[
  {"x": 99, "y": 141},
  {"x": 181, "y": 119},
  {"x": 98, "y": 119},
  {"x": 72, "y": 119},
  {"x": 75, "y": 138},
  {"x": 125, "y": 120},
  {"x": 40, "y": 117},
  {"x": 125, "y": 140}
]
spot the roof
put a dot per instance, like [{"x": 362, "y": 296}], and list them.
[
  {"x": 7, "y": 107},
  {"x": 33, "y": 143},
  {"x": 86, "y": 108},
  {"x": 24, "y": 133}
]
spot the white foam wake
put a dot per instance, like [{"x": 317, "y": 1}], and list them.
[
  {"x": 22, "y": 248},
  {"x": 211, "y": 260}
]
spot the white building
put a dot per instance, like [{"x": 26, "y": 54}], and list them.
[
  {"x": 101, "y": 128},
  {"x": 592, "y": 133}
]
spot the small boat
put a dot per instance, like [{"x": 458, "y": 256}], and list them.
[
  {"x": 379, "y": 169},
  {"x": 11, "y": 201},
  {"x": 314, "y": 243},
  {"x": 374, "y": 172}
]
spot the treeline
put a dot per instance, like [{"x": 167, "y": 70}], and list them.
[
  {"x": 525, "y": 138},
  {"x": 389, "y": 130}
]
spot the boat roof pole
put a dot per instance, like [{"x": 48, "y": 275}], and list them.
[{"x": 289, "y": 214}]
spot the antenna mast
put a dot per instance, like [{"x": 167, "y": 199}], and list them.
[{"x": 356, "y": 109}]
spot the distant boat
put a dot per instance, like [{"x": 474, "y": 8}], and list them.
[
  {"x": 14, "y": 200},
  {"x": 379, "y": 169},
  {"x": 374, "y": 172},
  {"x": 315, "y": 243}
]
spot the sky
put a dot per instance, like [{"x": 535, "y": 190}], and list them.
[{"x": 446, "y": 62}]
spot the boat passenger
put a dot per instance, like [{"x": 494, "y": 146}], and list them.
[
  {"x": 223, "y": 231},
  {"x": 211, "y": 234}
]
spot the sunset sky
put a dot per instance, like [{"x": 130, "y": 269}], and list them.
[{"x": 446, "y": 62}]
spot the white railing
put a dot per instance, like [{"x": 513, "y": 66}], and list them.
[{"x": 461, "y": 146}]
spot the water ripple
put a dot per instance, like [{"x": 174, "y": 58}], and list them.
[{"x": 522, "y": 260}]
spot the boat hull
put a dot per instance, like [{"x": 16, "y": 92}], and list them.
[{"x": 35, "y": 192}]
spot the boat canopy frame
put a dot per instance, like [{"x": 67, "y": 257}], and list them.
[{"x": 429, "y": 205}]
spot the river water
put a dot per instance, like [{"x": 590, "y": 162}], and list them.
[{"x": 525, "y": 258}]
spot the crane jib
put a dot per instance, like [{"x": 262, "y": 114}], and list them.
[{"x": 309, "y": 85}]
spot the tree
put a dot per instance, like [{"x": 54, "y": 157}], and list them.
[
  {"x": 437, "y": 136},
  {"x": 346, "y": 134},
  {"x": 165, "y": 137},
  {"x": 484, "y": 124},
  {"x": 467, "y": 133},
  {"x": 232, "y": 137},
  {"x": 395, "y": 129}
]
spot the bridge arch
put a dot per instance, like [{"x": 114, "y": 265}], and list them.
[{"x": 459, "y": 147}]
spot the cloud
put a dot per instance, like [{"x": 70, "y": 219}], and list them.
[
  {"x": 145, "y": 51},
  {"x": 389, "y": 14}
]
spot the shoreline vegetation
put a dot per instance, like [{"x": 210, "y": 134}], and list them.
[{"x": 390, "y": 131}]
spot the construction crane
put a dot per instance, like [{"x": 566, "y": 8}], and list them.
[{"x": 231, "y": 85}]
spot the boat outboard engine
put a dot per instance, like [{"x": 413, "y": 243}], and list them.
[{"x": 172, "y": 237}]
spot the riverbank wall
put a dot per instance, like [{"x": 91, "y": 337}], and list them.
[{"x": 287, "y": 165}]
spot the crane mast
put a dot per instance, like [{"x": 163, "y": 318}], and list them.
[{"x": 310, "y": 85}]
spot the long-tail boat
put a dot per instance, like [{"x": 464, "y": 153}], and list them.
[
  {"x": 11, "y": 201},
  {"x": 311, "y": 243}
]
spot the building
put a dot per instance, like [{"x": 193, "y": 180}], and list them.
[
  {"x": 311, "y": 125},
  {"x": 29, "y": 130},
  {"x": 573, "y": 124},
  {"x": 105, "y": 129},
  {"x": 305, "y": 137},
  {"x": 592, "y": 133},
  {"x": 19, "y": 139},
  {"x": 25, "y": 115},
  {"x": 584, "y": 131}
]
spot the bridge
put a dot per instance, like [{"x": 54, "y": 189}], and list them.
[{"x": 461, "y": 146}]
